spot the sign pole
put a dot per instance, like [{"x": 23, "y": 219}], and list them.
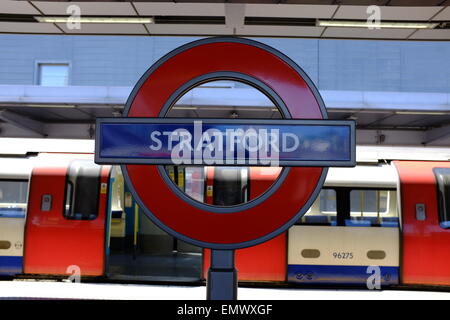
[{"x": 222, "y": 276}]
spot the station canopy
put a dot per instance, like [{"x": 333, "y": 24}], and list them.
[{"x": 399, "y": 19}]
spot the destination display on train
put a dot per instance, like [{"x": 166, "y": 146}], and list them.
[{"x": 225, "y": 142}]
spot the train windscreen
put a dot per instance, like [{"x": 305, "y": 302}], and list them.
[{"x": 82, "y": 190}]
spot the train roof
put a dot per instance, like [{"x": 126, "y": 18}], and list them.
[
  {"x": 363, "y": 176},
  {"x": 15, "y": 169},
  {"x": 23, "y": 146},
  {"x": 388, "y": 153}
]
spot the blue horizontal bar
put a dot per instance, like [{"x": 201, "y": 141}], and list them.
[
  {"x": 12, "y": 213},
  {"x": 345, "y": 275},
  {"x": 225, "y": 142},
  {"x": 10, "y": 265}
]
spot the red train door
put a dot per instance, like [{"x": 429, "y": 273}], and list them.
[
  {"x": 266, "y": 261},
  {"x": 426, "y": 232},
  {"x": 66, "y": 218}
]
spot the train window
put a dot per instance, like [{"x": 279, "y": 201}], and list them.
[
  {"x": 221, "y": 185},
  {"x": 194, "y": 186},
  {"x": 368, "y": 202},
  {"x": 230, "y": 178},
  {"x": 443, "y": 189},
  {"x": 353, "y": 208},
  {"x": 372, "y": 208},
  {"x": 323, "y": 211},
  {"x": 13, "y": 198},
  {"x": 82, "y": 190},
  {"x": 328, "y": 201}
]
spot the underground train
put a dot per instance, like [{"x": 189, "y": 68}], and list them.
[{"x": 60, "y": 212}]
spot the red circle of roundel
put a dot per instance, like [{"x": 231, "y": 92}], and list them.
[{"x": 245, "y": 227}]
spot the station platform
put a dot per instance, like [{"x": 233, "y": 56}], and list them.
[{"x": 108, "y": 291}]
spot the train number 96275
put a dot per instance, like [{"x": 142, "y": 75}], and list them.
[{"x": 343, "y": 255}]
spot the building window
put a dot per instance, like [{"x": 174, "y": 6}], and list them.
[
  {"x": 13, "y": 198},
  {"x": 443, "y": 189},
  {"x": 53, "y": 74}
]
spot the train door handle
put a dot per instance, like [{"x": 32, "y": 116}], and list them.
[
  {"x": 421, "y": 214},
  {"x": 46, "y": 202}
]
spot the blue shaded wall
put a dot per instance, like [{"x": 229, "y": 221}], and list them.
[{"x": 332, "y": 64}]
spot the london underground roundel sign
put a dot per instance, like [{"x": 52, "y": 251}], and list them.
[{"x": 304, "y": 142}]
